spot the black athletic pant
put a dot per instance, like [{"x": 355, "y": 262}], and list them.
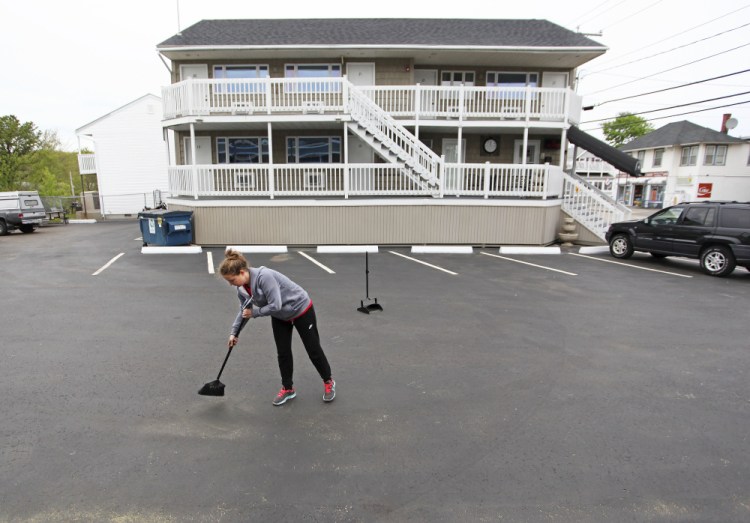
[{"x": 308, "y": 330}]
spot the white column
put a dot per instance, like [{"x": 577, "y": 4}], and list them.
[
  {"x": 346, "y": 161},
  {"x": 192, "y": 158},
  {"x": 525, "y": 145},
  {"x": 271, "y": 170}
]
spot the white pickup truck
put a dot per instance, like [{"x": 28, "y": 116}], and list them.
[{"x": 20, "y": 210}]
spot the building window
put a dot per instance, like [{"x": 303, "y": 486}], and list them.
[
  {"x": 689, "y": 155},
  {"x": 658, "y": 156},
  {"x": 313, "y": 149},
  {"x": 449, "y": 78},
  {"x": 641, "y": 155},
  {"x": 313, "y": 71},
  {"x": 715, "y": 155},
  {"x": 498, "y": 78},
  {"x": 234, "y": 72},
  {"x": 242, "y": 150}
]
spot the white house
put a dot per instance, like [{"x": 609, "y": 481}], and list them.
[
  {"x": 683, "y": 161},
  {"x": 130, "y": 156}
]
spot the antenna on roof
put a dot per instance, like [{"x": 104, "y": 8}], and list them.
[{"x": 179, "y": 31}]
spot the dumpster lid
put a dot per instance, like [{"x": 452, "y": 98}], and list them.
[{"x": 165, "y": 213}]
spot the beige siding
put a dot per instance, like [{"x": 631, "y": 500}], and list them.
[{"x": 374, "y": 224}]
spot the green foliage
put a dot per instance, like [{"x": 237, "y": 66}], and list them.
[
  {"x": 17, "y": 144},
  {"x": 625, "y": 128},
  {"x": 33, "y": 160}
]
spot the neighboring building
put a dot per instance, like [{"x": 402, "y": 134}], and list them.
[
  {"x": 377, "y": 131},
  {"x": 684, "y": 162},
  {"x": 594, "y": 170},
  {"x": 129, "y": 159}
]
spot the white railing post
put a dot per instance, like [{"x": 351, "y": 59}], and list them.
[
  {"x": 345, "y": 94},
  {"x": 417, "y": 104},
  {"x": 441, "y": 176},
  {"x": 346, "y": 162},
  {"x": 546, "y": 181},
  {"x": 269, "y": 94},
  {"x": 486, "y": 180}
]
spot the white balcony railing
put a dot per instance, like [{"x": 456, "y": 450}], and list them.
[
  {"x": 87, "y": 164},
  {"x": 196, "y": 97},
  {"x": 312, "y": 180}
]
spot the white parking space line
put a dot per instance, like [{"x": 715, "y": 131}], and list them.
[
  {"x": 210, "y": 260},
  {"x": 424, "y": 263},
  {"x": 139, "y": 239},
  {"x": 110, "y": 262},
  {"x": 633, "y": 266},
  {"x": 531, "y": 264},
  {"x": 316, "y": 262}
]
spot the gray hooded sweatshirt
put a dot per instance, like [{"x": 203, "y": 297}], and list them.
[{"x": 273, "y": 294}]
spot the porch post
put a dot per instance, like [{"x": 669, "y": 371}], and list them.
[
  {"x": 525, "y": 145},
  {"x": 417, "y": 107},
  {"x": 546, "y": 181},
  {"x": 345, "y": 93},
  {"x": 346, "y": 161},
  {"x": 563, "y": 148},
  {"x": 486, "y": 180},
  {"x": 269, "y": 95},
  {"x": 192, "y": 158},
  {"x": 271, "y": 170},
  {"x": 441, "y": 176},
  {"x": 459, "y": 148}
]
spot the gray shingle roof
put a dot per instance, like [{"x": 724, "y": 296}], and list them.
[
  {"x": 379, "y": 32},
  {"x": 679, "y": 133}
]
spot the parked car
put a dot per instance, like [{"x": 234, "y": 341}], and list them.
[
  {"x": 716, "y": 233},
  {"x": 20, "y": 210}
]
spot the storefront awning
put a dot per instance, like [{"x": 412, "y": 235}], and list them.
[{"x": 603, "y": 150}]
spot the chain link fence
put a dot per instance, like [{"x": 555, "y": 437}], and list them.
[{"x": 101, "y": 207}]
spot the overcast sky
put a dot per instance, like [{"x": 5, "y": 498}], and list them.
[{"x": 66, "y": 63}]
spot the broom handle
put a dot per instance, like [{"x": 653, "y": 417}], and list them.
[{"x": 225, "y": 362}]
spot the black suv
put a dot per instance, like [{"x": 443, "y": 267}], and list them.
[{"x": 717, "y": 233}]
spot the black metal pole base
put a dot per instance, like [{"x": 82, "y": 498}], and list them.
[{"x": 367, "y": 309}]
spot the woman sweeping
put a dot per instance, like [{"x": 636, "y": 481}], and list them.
[{"x": 265, "y": 292}]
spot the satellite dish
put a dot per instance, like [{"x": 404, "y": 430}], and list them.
[{"x": 731, "y": 123}]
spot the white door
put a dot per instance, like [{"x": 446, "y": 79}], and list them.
[
  {"x": 453, "y": 179},
  {"x": 361, "y": 73},
  {"x": 532, "y": 151},
  {"x": 428, "y": 98},
  {"x": 555, "y": 80},
  {"x": 202, "y": 151},
  {"x": 199, "y": 71},
  {"x": 360, "y": 178}
]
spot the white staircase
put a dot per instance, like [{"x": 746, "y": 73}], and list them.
[
  {"x": 589, "y": 206},
  {"x": 392, "y": 141}
]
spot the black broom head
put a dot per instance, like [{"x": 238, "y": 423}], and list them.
[{"x": 213, "y": 388}]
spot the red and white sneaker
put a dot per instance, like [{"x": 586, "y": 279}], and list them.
[
  {"x": 330, "y": 390},
  {"x": 284, "y": 395}
]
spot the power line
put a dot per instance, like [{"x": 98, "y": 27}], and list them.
[
  {"x": 675, "y": 106},
  {"x": 670, "y": 88},
  {"x": 597, "y": 7},
  {"x": 674, "y": 35},
  {"x": 671, "y": 69},
  {"x": 667, "y": 51},
  {"x": 631, "y": 16},
  {"x": 682, "y": 114}
]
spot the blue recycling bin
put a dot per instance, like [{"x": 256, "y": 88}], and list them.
[{"x": 164, "y": 227}]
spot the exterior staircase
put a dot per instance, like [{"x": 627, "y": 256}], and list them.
[
  {"x": 392, "y": 141},
  {"x": 589, "y": 206}
]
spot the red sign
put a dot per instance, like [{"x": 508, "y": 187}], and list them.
[{"x": 704, "y": 190}]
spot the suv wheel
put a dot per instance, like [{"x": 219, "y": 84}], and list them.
[
  {"x": 27, "y": 228},
  {"x": 3, "y": 228},
  {"x": 718, "y": 261},
  {"x": 620, "y": 246}
]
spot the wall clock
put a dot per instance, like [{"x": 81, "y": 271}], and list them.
[{"x": 489, "y": 145}]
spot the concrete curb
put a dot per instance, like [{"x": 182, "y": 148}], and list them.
[
  {"x": 529, "y": 250},
  {"x": 258, "y": 248},
  {"x": 446, "y": 249},
  {"x": 346, "y": 248},
  {"x": 184, "y": 249},
  {"x": 594, "y": 249},
  {"x": 90, "y": 220}
]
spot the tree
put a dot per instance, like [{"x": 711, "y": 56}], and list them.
[
  {"x": 17, "y": 144},
  {"x": 625, "y": 128}
]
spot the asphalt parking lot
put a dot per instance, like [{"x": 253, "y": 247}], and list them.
[{"x": 519, "y": 388}]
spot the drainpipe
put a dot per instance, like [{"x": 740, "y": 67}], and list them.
[{"x": 192, "y": 157}]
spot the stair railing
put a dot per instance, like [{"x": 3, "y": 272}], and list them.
[{"x": 589, "y": 206}]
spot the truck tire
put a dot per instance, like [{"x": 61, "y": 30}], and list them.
[
  {"x": 3, "y": 228},
  {"x": 718, "y": 260},
  {"x": 27, "y": 228}
]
